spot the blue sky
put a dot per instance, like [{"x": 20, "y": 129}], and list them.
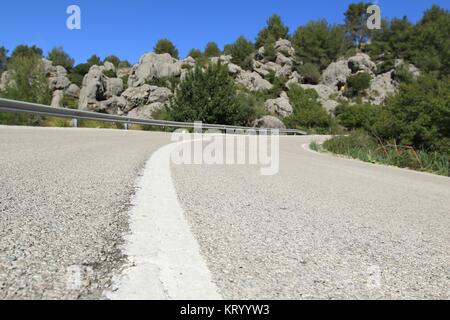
[{"x": 130, "y": 28}]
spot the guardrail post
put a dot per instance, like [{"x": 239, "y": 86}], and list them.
[
  {"x": 125, "y": 127},
  {"x": 74, "y": 122}
]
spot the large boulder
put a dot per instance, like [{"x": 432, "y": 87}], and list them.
[
  {"x": 114, "y": 105},
  {"x": 93, "y": 89},
  {"x": 280, "y": 106},
  {"x": 114, "y": 87},
  {"x": 223, "y": 58},
  {"x": 253, "y": 81},
  {"x": 57, "y": 99},
  {"x": 381, "y": 87},
  {"x": 72, "y": 91},
  {"x": 264, "y": 69},
  {"x": 154, "y": 66},
  {"x": 285, "y": 47},
  {"x": 323, "y": 91},
  {"x": 329, "y": 105},
  {"x": 57, "y": 75},
  {"x": 123, "y": 72},
  {"x": 336, "y": 74},
  {"x": 145, "y": 95},
  {"x": 146, "y": 111},
  {"x": 269, "y": 122},
  {"x": 361, "y": 62}
]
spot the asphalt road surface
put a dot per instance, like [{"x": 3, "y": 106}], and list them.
[
  {"x": 323, "y": 227},
  {"x": 64, "y": 196}
]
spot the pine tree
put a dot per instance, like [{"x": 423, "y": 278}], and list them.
[{"x": 166, "y": 46}]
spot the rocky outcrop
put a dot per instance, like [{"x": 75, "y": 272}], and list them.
[
  {"x": 57, "y": 99},
  {"x": 154, "y": 66},
  {"x": 381, "y": 87},
  {"x": 5, "y": 80},
  {"x": 253, "y": 81},
  {"x": 326, "y": 95},
  {"x": 72, "y": 91},
  {"x": 99, "y": 92},
  {"x": 145, "y": 99},
  {"x": 146, "y": 111},
  {"x": 285, "y": 47},
  {"x": 93, "y": 89},
  {"x": 57, "y": 76},
  {"x": 361, "y": 62},
  {"x": 114, "y": 87},
  {"x": 336, "y": 74},
  {"x": 269, "y": 122},
  {"x": 114, "y": 105},
  {"x": 280, "y": 106}
]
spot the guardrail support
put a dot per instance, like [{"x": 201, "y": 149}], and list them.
[
  {"x": 125, "y": 126},
  {"x": 74, "y": 123}
]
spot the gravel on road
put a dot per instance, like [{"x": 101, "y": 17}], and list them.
[{"x": 64, "y": 197}]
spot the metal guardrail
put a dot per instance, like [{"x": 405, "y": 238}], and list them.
[{"x": 42, "y": 110}]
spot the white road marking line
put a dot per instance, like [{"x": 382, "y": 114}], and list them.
[{"x": 166, "y": 258}]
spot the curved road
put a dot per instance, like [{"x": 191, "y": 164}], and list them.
[{"x": 324, "y": 227}]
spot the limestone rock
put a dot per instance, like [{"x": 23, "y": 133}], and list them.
[
  {"x": 362, "y": 62},
  {"x": 114, "y": 87},
  {"x": 280, "y": 106},
  {"x": 146, "y": 111},
  {"x": 57, "y": 98},
  {"x": 381, "y": 87},
  {"x": 253, "y": 81},
  {"x": 145, "y": 95},
  {"x": 154, "y": 66},
  {"x": 336, "y": 74},
  {"x": 269, "y": 122}
]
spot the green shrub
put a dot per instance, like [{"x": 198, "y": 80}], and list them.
[
  {"x": 357, "y": 84},
  {"x": 24, "y": 51},
  {"x": 113, "y": 59},
  {"x": 360, "y": 145},
  {"x": 195, "y": 53},
  {"x": 69, "y": 102},
  {"x": 308, "y": 112},
  {"x": 124, "y": 64},
  {"x": 168, "y": 82},
  {"x": 357, "y": 116},
  {"x": 110, "y": 73},
  {"x": 29, "y": 82},
  {"x": 242, "y": 52},
  {"x": 418, "y": 116},
  {"x": 60, "y": 58},
  {"x": 310, "y": 73},
  {"x": 212, "y": 50},
  {"x": 270, "y": 54},
  {"x": 166, "y": 46},
  {"x": 402, "y": 74},
  {"x": 208, "y": 96},
  {"x": 3, "y": 59},
  {"x": 320, "y": 43},
  {"x": 275, "y": 30}
]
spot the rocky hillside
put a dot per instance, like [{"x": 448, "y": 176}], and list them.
[{"x": 147, "y": 86}]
